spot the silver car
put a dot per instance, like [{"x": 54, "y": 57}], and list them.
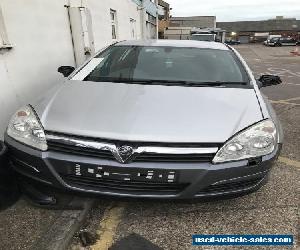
[{"x": 159, "y": 119}]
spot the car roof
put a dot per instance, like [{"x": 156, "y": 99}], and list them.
[{"x": 175, "y": 43}]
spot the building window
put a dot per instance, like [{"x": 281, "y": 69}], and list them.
[
  {"x": 133, "y": 28},
  {"x": 114, "y": 30},
  {"x": 151, "y": 27},
  {"x": 4, "y": 42}
]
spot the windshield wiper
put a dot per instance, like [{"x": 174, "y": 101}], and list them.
[
  {"x": 181, "y": 82},
  {"x": 167, "y": 82},
  {"x": 149, "y": 81},
  {"x": 221, "y": 83}
]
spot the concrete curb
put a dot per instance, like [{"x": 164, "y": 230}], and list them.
[{"x": 60, "y": 234}]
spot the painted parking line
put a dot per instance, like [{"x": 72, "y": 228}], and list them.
[
  {"x": 290, "y": 83},
  {"x": 291, "y": 99},
  {"x": 289, "y": 162},
  {"x": 282, "y": 72},
  {"x": 108, "y": 226},
  {"x": 286, "y": 103}
]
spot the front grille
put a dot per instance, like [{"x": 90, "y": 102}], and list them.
[
  {"x": 70, "y": 149},
  {"x": 119, "y": 186},
  {"x": 149, "y": 157},
  {"x": 142, "y": 157},
  {"x": 230, "y": 186}
]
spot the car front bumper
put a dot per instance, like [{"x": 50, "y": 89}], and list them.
[{"x": 192, "y": 179}]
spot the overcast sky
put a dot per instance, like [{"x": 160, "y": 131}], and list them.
[{"x": 235, "y": 10}]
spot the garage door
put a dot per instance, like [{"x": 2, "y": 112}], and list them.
[{"x": 244, "y": 39}]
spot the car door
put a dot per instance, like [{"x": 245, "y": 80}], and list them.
[
  {"x": 274, "y": 41},
  {"x": 288, "y": 41},
  {"x": 283, "y": 41},
  {"x": 293, "y": 42}
]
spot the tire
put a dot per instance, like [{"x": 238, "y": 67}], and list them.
[
  {"x": 9, "y": 192},
  {"x": 278, "y": 45},
  {"x": 46, "y": 197}
]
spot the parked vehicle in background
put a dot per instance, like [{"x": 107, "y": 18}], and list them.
[
  {"x": 266, "y": 42},
  {"x": 232, "y": 42},
  {"x": 283, "y": 41}
]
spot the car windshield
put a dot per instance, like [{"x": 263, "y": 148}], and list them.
[{"x": 164, "y": 65}]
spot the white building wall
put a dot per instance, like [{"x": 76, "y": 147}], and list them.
[
  {"x": 39, "y": 31},
  {"x": 100, "y": 10},
  {"x": 125, "y": 9}
]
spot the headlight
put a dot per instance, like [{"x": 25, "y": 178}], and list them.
[
  {"x": 25, "y": 127},
  {"x": 258, "y": 140}
]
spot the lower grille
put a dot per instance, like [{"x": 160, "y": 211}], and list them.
[
  {"x": 24, "y": 166},
  {"x": 231, "y": 186},
  {"x": 119, "y": 186}
]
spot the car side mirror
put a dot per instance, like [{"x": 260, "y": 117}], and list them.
[
  {"x": 268, "y": 80},
  {"x": 66, "y": 70}
]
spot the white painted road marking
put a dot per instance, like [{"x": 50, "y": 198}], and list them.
[
  {"x": 287, "y": 101},
  {"x": 289, "y": 162},
  {"x": 290, "y": 83}
]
